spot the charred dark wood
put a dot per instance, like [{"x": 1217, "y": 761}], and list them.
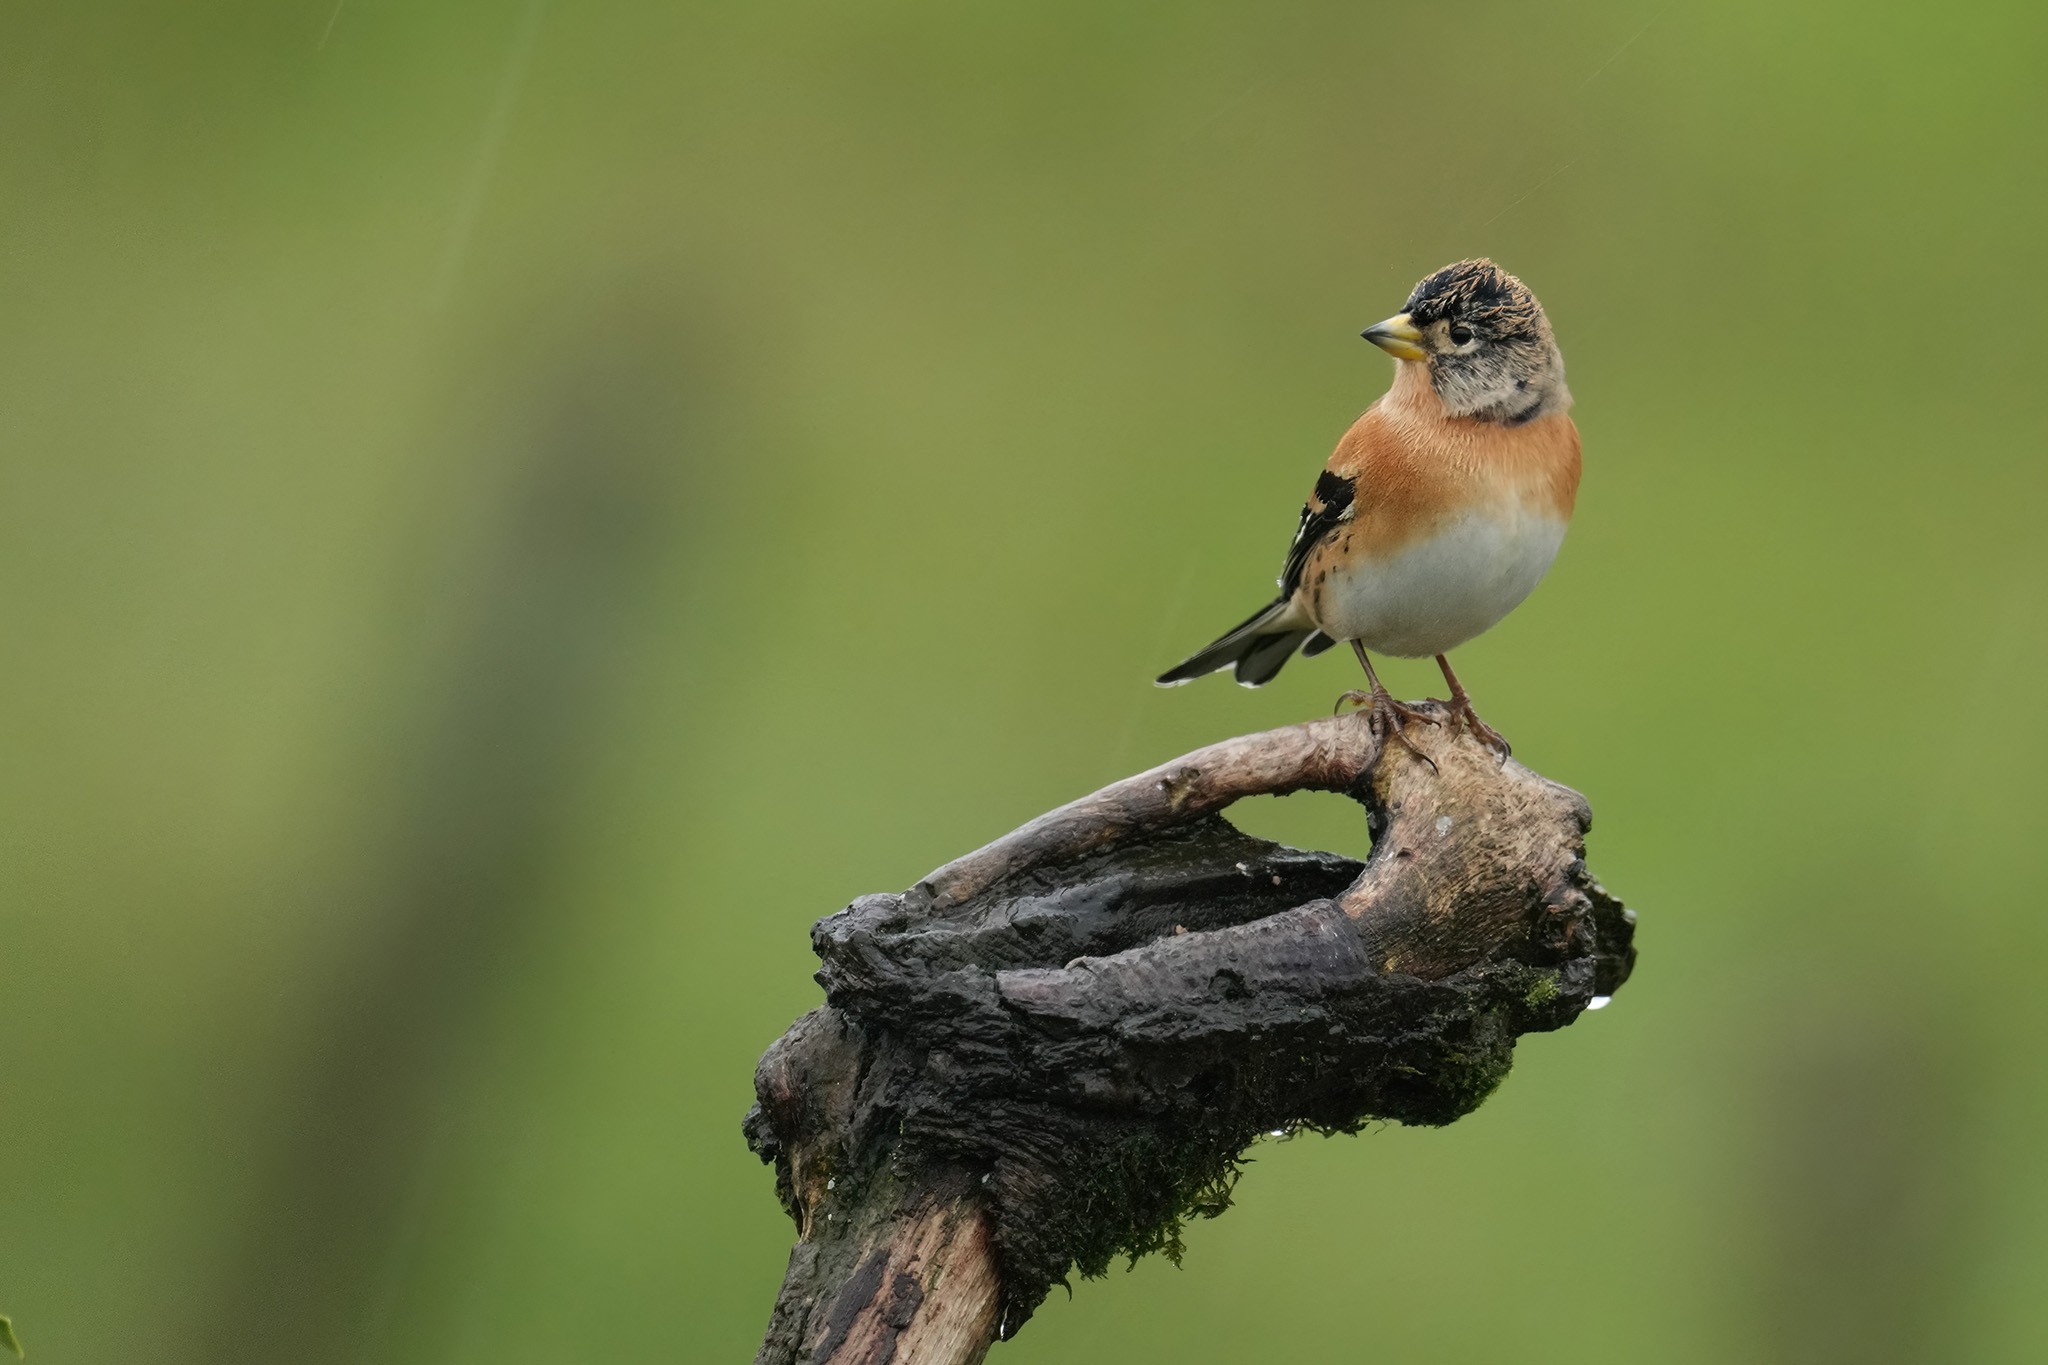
[{"x": 1053, "y": 1051}]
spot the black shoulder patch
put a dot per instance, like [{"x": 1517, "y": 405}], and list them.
[{"x": 1328, "y": 507}]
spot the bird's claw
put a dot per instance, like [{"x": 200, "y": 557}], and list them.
[
  {"x": 1461, "y": 710},
  {"x": 1390, "y": 718}
]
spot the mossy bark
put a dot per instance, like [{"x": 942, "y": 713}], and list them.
[{"x": 1052, "y": 1052}]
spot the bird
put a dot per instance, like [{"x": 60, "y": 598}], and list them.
[{"x": 1439, "y": 511}]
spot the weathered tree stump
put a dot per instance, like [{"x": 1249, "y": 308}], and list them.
[{"x": 1052, "y": 1052}]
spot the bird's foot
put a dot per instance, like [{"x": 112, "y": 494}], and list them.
[
  {"x": 1461, "y": 710},
  {"x": 1390, "y": 718}
]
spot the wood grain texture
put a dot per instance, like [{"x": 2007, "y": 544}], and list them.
[{"x": 1052, "y": 1052}]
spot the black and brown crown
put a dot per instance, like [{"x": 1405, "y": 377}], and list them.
[{"x": 1479, "y": 294}]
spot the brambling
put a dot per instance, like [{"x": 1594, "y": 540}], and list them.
[{"x": 1441, "y": 508}]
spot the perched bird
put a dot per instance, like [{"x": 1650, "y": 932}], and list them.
[{"x": 1440, "y": 509}]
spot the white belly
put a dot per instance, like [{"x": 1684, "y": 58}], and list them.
[{"x": 1438, "y": 593}]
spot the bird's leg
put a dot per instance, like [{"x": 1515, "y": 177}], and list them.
[
  {"x": 1461, "y": 708},
  {"x": 1385, "y": 710}
]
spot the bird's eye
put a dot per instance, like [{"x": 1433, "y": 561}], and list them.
[{"x": 1460, "y": 334}]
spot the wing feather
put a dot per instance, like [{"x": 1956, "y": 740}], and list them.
[{"x": 1329, "y": 507}]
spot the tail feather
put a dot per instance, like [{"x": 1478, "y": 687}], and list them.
[
  {"x": 1267, "y": 657},
  {"x": 1257, "y": 646}
]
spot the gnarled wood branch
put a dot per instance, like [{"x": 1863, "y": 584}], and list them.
[{"x": 1053, "y": 1051}]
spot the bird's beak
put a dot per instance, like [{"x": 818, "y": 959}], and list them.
[{"x": 1398, "y": 337}]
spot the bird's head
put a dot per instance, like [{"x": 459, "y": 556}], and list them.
[{"x": 1485, "y": 341}]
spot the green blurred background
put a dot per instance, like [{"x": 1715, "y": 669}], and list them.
[{"x": 511, "y": 511}]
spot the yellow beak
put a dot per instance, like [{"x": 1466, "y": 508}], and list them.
[{"x": 1398, "y": 337}]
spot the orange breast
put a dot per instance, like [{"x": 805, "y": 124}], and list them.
[{"x": 1416, "y": 469}]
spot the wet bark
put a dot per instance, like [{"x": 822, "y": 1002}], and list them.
[{"x": 1052, "y": 1052}]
